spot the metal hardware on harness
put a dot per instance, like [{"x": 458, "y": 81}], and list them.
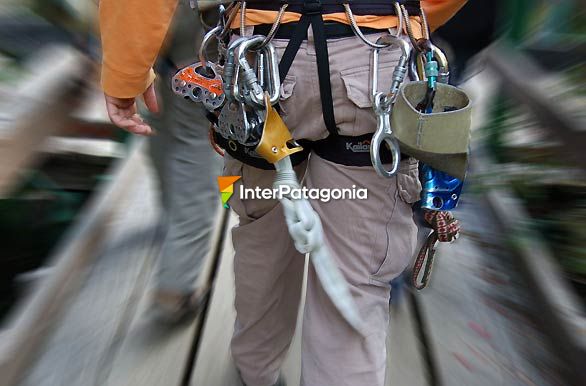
[
  {"x": 400, "y": 71},
  {"x": 239, "y": 122},
  {"x": 201, "y": 81},
  {"x": 383, "y": 103},
  {"x": 200, "y": 84},
  {"x": 440, "y": 191},
  {"x": 242, "y": 118},
  {"x": 276, "y": 142},
  {"x": 231, "y": 69},
  {"x": 409, "y": 27},
  {"x": 252, "y": 90},
  {"x": 205, "y": 43},
  {"x": 226, "y": 22},
  {"x": 423, "y": 46},
  {"x": 358, "y": 32},
  {"x": 384, "y": 135},
  {"x": 426, "y": 67}
]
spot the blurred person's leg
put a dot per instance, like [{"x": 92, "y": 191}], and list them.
[
  {"x": 268, "y": 274},
  {"x": 372, "y": 242},
  {"x": 187, "y": 168}
]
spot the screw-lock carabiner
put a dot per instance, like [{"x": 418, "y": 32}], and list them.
[
  {"x": 253, "y": 90},
  {"x": 400, "y": 71}
]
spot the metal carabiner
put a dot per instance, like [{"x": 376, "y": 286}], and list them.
[
  {"x": 384, "y": 135},
  {"x": 442, "y": 60},
  {"x": 253, "y": 91},
  {"x": 231, "y": 69},
  {"x": 214, "y": 32},
  {"x": 443, "y": 69},
  {"x": 356, "y": 29},
  {"x": 400, "y": 71},
  {"x": 383, "y": 102},
  {"x": 270, "y": 62},
  {"x": 414, "y": 73}
]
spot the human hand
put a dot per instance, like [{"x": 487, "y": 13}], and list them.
[{"x": 123, "y": 113}]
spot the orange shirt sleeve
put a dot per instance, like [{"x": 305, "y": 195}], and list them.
[{"x": 132, "y": 33}]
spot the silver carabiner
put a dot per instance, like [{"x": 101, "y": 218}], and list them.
[
  {"x": 384, "y": 135},
  {"x": 400, "y": 71},
  {"x": 253, "y": 90},
  {"x": 271, "y": 65},
  {"x": 440, "y": 58},
  {"x": 442, "y": 61},
  {"x": 383, "y": 102},
  {"x": 231, "y": 69},
  {"x": 214, "y": 32}
]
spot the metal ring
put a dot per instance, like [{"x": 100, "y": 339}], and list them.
[{"x": 384, "y": 134}]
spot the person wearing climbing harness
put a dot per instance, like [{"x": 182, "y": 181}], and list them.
[{"x": 325, "y": 90}]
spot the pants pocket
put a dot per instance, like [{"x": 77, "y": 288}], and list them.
[
  {"x": 353, "y": 109},
  {"x": 395, "y": 244}
]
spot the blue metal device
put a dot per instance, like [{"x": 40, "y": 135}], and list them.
[{"x": 440, "y": 191}]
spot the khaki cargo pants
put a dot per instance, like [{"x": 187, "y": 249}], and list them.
[{"x": 371, "y": 240}]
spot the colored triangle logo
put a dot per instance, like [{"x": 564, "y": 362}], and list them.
[
  {"x": 226, "y": 185},
  {"x": 227, "y": 181}
]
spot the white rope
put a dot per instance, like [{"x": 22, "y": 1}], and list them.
[{"x": 306, "y": 231}]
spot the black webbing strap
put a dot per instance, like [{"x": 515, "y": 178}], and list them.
[
  {"x": 312, "y": 15},
  {"x": 359, "y": 7},
  {"x": 350, "y": 150}
]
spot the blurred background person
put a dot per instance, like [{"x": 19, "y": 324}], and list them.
[
  {"x": 187, "y": 167},
  {"x": 185, "y": 163}
]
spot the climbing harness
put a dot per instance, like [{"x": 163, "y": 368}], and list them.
[{"x": 241, "y": 89}]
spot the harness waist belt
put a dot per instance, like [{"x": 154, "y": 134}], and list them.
[
  {"x": 359, "y": 7},
  {"x": 350, "y": 151},
  {"x": 339, "y": 149},
  {"x": 242, "y": 153},
  {"x": 333, "y": 30}
]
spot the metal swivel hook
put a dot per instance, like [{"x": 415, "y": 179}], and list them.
[{"x": 384, "y": 135}]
